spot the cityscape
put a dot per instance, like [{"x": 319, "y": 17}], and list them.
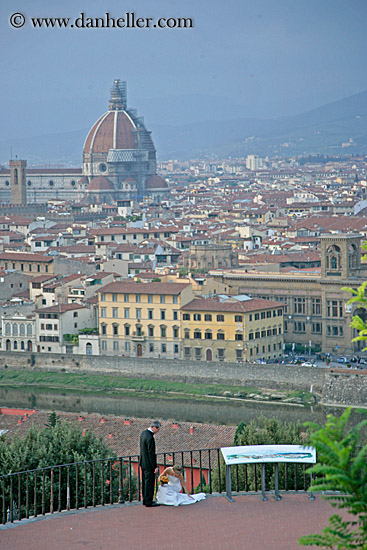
[{"x": 183, "y": 262}]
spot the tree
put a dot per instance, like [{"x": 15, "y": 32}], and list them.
[
  {"x": 341, "y": 468},
  {"x": 57, "y": 444}
]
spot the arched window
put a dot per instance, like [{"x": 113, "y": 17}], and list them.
[
  {"x": 8, "y": 329},
  {"x": 29, "y": 330},
  {"x": 88, "y": 348},
  {"x": 333, "y": 257},
  {"x": 15, "y": 329},
  {"x": 15, "y": 345},
  {"x": 22, "y": 329},
  {"x": 197, "y": 334},
  {"x": 352, "y": 256},
  {"x": 22, "y": 345}
]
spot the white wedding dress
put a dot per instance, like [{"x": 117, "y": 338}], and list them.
[{"x": 170, "y": 494}]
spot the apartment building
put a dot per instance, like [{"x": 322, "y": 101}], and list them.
[
  {"x": 142, "y": 319},
  {"x": 232, "y": 329}
]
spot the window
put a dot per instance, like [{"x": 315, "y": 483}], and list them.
[
  {"x": 238, "y": 354},
  {"x": 163, "y": 314},
  {"x": 151, "y": 348},
  {"x": 186, "y": 317},
  {"x": 103, "y": 312},
  {"x": 299, "y": 305},
  {"x": 127, "y": 330},
  {"x": 263, "y": 315},
  {"x": 251, "y": 336},
  {"x": 151, "y": 331},
  {"x": 317, "y": 328},
  {"x": 197, "y": 334},
  {"x": 162, "y": 299},
  {"x": 138, "y": 298},
  {"x": 280, "y": 312},
  {"x": 138, "y": 314},
  {"x": 127, "y": 346},
  {"x": 126, "y": 313},
  {"x": 163, "y": 348},
  {"x": 187, "y": 353},
  {"x": 257, "y": 316},
  {"x": 126, "y": 297},
  {"x": 114, "y": 297},
  {"x": 115, "y": 330},
  {"x": 257, "y": 334},
  {"x": 197, "y": 317},
  {"x": 150, "y": 299},
  {"x": 175, "y": 348},
  {"x": 175, "y": 299},
  {"x": 186, "y": 333},
  {"x": 238, "y": 336},
  {"x": 316, "y": 306},
  {"x": 104, "y": 345},
  {"x": 150, "y": 314},
  {"x": 208, "y": 335},
  {"x": 299, "y": 326},
  {"x": 238, "y": 318},
  {"x": 163, "y": 332},
  {"x": 207, "y": 317},
  {"x": 175, "y": 315},
  {"x": 115, "y": 312},
  {"x": 115, "y": 346},
  {"x": 263, "y": 333},
  {"x": 175, "y": 332},
  {"x": 220, "y": 336},
  {"x": 103, "y": 297},
  {"x": 198, "y": 354},
  {"x": 250, "y": 318},
  {"x": 268, "y": 314},
  {"x": 220, "y": 318},
  {"x": 221, "y": 354}
]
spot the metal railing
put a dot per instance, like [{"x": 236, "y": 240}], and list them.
[{"x": 113, "y": 480}]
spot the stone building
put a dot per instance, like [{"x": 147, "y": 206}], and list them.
[
  {"x": 119, "y": 165},
  {"x": 316, "y": 308},
  {"x": 211, "y": 256}
]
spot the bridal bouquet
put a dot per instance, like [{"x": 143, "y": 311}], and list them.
[{"x": 164, "y": 480}]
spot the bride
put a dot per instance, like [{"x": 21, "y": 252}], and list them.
[{"x": 169, "y": 494}]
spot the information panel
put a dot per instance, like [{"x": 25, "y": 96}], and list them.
[{"x": 254, "y": 454}]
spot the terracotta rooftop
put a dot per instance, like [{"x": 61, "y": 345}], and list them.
[{"x": 211, "y": 304}]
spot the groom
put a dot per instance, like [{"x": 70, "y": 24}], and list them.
[{"x": 148, "y": 462}]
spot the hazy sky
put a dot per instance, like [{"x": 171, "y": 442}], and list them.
[{"x": 266, "y": 57}]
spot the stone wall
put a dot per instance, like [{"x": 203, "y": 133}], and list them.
[
  {"x": 345, "y": 389},
  {"x": 262, "y": 376}
]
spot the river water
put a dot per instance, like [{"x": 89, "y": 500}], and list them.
[{"x": 219, "y": 411}]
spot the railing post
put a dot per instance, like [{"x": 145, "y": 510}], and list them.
[
  {"x": 68, "y": 488},
  {"x": 19, "y": 506},
  {"x": 312, "y": 496},
  {"x": 219, "y": 479},
  {"x": 3, "y": 499},
  {"x": 121, "y": 487},
  {"x": 43, "y": 492},
  {"x": 85, "y": 485},
  {"x": 76, "y": 487},
  {"x": 52, "y": 492},
  {"x": 102, "y": 482},
  {"x": 11, "y": 499},
  {"x": 201, "y": 472},
  {"x": 94, "y": 484},
  {"x": 59, "y": 503},
  {"x": 210, "y": 473},
  {"x": 111, "y": 496},
  {"x": 191, "y": 473},
  {"x": 35, "y": 494},
  {"x": 27, "y": 496},
  {"x": 130, "y": 488}
]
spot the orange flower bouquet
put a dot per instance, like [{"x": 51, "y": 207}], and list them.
[{"x": 164, "y": 480}]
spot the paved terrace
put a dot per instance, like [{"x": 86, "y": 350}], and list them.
[{"x": 248, "y": 523}]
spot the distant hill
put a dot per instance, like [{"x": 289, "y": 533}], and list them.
[{"x": 336, "y": 128}]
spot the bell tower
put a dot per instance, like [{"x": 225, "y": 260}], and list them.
[
  {"x": 18, "y": 181},
  {"x": 340, "y": 255}
]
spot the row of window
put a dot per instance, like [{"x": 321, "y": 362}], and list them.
[
  {"x": 138, "y": 314},
  {"x": 237, "y": 318},
  {"x": 138, "y": 331},
  {"x": 263, "y": 333},
  {"x": 126, "y": 346},
  {"x": 15, "y": 329},
  {"x": 128, "y": 298},
  {"x": 30, "y": 267}
]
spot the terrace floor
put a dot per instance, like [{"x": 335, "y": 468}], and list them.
[{"x": 247, "y": 523}]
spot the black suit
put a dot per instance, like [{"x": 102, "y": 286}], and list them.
[{"x": 148, "y": 463}]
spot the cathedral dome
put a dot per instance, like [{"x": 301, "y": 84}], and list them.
[
  {"x": 155, "y": 182},
  {"x": 100, "y": 183}
]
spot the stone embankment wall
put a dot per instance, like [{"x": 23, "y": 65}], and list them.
[
  {"x": 345, "y": 389},
  {"x": 260, "y": 376}
]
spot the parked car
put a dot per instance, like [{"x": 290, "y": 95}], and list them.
[
  {"x": 308, "y": 364},
  {"x": 343, "y": 360}
]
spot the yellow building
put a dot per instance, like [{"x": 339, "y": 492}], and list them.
[
  {"x": 142, "y": 319},
  {"x": 232, "y": 329}
]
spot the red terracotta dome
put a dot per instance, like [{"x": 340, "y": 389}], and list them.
[
  {"x": 100, "y": 183},
  {"x": 155, "y": 182},
  {"x": 113, "y": 130}
]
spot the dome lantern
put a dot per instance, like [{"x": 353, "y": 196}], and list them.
[{"x": 118, "y": 96}]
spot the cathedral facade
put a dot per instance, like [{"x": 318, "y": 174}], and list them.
[{"x": 119, "y": 164}]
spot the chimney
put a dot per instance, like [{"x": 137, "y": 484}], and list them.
[
  {"x": 103, "y": 421},
  {"x": 192, "y": 430}
]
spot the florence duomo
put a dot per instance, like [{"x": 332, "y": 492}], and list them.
[{"x": 119, "y": 164}]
